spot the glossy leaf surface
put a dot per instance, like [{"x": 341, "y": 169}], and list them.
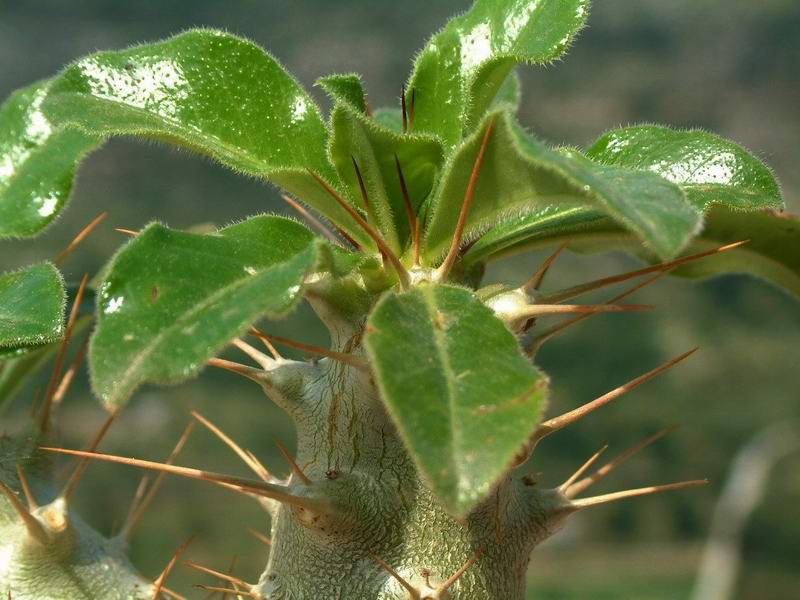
[
  {"x": 453, "y": 377},
  {"x": 374, "y": 149},
  {"x": 346, "y": 88},
  {"x": 710, "y": 169},
  {"x": 214, "y": 93},
  {"x": 459, "y": 71},
  {"x": 31, "y": 306},
  {"x": 520, "y": 174},
  {"x": 37, "y": 163},
  {"x": 172, "y": 300}
]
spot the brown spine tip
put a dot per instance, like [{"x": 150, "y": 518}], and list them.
[
  {"x": 159, "y": 583},
  {"x": 538, "y": 277},
  {"x": 582, "y": 503},
  {"x": 35, "y": 528},
  {"x": 413, "y": 223},
  {"x": 581, "y": 470},
  {"x": 247, "y": 458},
  {"x": 292, "y": 462},
  {"x": 343, "y": 357},
  {"x": 579, "y": 486},
  {"x": 139, "y": 508},
  {"x": 260, "y": 537},
  {"x": 312, "y": 220},
  {"x": 667, "y": 266},
  {"x": 84, "y": 233},
  {"x": 557, "y": 423},
  {"x": 26, "y": 489},
  {"x": 452, "y": 254},
  {"x": 128, "y": 232},
  {"x": 77, "y": 474},
  {"x": 219, "y": 575},
  {"x": 414, "y": 592},
  {"x": 402, "y": 273},
  {"x": 248, "y": 486},
  {"x": 62, "y": 353},
  {"x": 463, "y": 569}
]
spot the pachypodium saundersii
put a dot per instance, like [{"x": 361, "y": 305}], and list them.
[{"x": 413, "y": 425}]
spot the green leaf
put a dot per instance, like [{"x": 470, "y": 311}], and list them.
[
  {"x": 463, "y": 396},
  {"x": 212, "y": 92},
  {"x": 389, "y": 118},
  {"x": 355, "y": 136},
  {"x": 459, "y": 71},
  {"x": 15, "y": 371},
  {"x": 710, "y": 169},
  {"x": 520, "y": 175},
  {"x": 37, "y": 163},
  {"x": 172, "y": 300},
  {"x": 31, "y": 306},
  {"x": 772, "y": 253},
  {"x": 345, "y": 88}
]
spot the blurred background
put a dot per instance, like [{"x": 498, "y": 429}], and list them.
[{"x": 728, "y": 66}]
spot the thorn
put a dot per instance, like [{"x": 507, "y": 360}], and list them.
[
  {"x": 260, "y": 537},
  {"x": 172, "y": 594},
  {"x": 400, "y": 579},
  {"x": 582, "y": 503},
  {"x": 413, "y": 108},
  {"x": 219, "y": 575},
  {"x": 403, "y": 107},
  {"x": 264, "y": 361},
  {"x": 272, "y": 350},
  {"x": 292, "y": 463},
  {"x": 170, "y": 565},
  {"x": 402, "y": 274},
  {"x": 457, "y": 575},
  {"x": 212, "y": 588},
  {"x": 133, "y": 521},
  {"x": 26, "y": 489},
  {"x": 137, "y": 498},
  {"x": 367, "y": 107},
  {"x": 537, "y": 342},
  {"x": 32, "y": 524},
  {"x": 251, "y": 373},
  {"x": 128, "y": 232},
  {"x": 312, "y": 220},
  {"x": 59, "y": 260},
  {"x": 538, "y": 310},
  {"x": 599, "y": 283},
  {"x": 581, "y": 470},
  {"x": 249, "y": 486},
  {"x": 576, "y": 488},
  {"x": 69, "y": 375},
  {"x": 248, "y": 459},
  {"x": 364, "y": 195},
  {"x": 556, "y": 423},
  {"x": 62, "y": 352},
  {"x": 344, "y": 357},
  {"x": 445, "y": 267},
  {"x": 75, "y": 478},
  {"x": 536, "y": 279},
  {"x": 413, "y": 223}
]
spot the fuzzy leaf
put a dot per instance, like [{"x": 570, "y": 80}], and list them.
[
  {"x": 389, "y": 118},
  {"x": 37, "y": 163},
  {"x": 172, "y": 300},
  {"x": 31, "y": 306},
  {"x": 355, "y": 136},
  {"x": 212, "y": 92},
  {"x": 345, "y": 88},
  {"x": 710, "y": 169},
  {"x": 459, "y": 71},
  {"x": 521, "y": 175},
  {"x": 463, "y": 396},
  {"x": 772, "y": 253}
]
